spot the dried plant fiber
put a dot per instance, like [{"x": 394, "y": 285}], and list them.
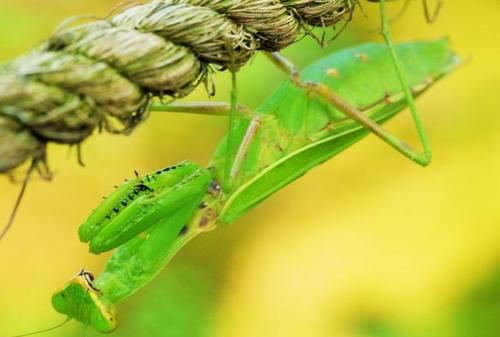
[{"x": 103, "y": 74}]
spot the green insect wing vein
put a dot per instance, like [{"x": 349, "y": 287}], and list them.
[{"x": 298, "y": 131}]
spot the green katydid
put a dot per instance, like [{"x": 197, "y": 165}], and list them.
[
  {"x": 149, "y": 218},
  {"x": 347, "y": 109}
]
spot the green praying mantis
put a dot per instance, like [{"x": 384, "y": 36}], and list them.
[
  {"x": 314, "y": 116},
  {"x": 149, "y": 218}
]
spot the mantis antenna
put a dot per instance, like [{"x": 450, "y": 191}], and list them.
[{"x": 44, "y": 330}]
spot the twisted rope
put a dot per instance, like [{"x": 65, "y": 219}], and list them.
[{"x": 103, "y": 74}]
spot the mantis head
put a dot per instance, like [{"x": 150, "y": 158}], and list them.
[{"x": 80, "y": 300}]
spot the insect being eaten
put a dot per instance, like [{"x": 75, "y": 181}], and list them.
[
  {"x": 104, "y": 74},
  {"x": 149, "y": 218},
  {"x": 315, "y": 115}
]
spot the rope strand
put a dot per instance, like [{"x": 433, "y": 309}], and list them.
[{"x": 103, "y": 74}]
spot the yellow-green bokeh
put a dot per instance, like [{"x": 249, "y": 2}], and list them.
[{"x": 368, "y": 244}]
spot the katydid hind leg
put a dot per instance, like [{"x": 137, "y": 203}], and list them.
[
  {"x": 422, "y": 158},
  {"x": 354, "y": 113}
]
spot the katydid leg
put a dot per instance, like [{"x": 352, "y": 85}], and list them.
[
  {"x": 352, "y": 112},
  {"x": 422, "y": 158},
  {"x": 219, "y": 109},
  {"x": 286, "y": 66},
  {"x": 244, "y": 146},
  {"x": 203, "y": 108}
]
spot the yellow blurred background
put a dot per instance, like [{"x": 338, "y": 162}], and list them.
[{"x": 367, "y": 245}]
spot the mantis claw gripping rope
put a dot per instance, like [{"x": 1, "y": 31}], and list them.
[{"x": 102, "y": 74}]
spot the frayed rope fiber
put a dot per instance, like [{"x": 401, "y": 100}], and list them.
[{"x": 103, "y": 74}]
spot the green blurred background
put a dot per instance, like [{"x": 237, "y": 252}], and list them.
[{"x": 367, "y": 245}]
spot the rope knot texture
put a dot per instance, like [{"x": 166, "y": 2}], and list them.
[{"x": 103, "y": 74}]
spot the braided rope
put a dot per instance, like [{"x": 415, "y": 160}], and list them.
[{"x": 104, "y": 73}]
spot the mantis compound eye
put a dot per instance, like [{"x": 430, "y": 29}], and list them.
[
  {"x": 80, "y": 300},
  {"x": 89, "y": 276}
]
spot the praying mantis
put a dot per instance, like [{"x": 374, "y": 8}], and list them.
[
  {"x": 149, "y": 218},
  {"x": 310, "y": 119}
]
